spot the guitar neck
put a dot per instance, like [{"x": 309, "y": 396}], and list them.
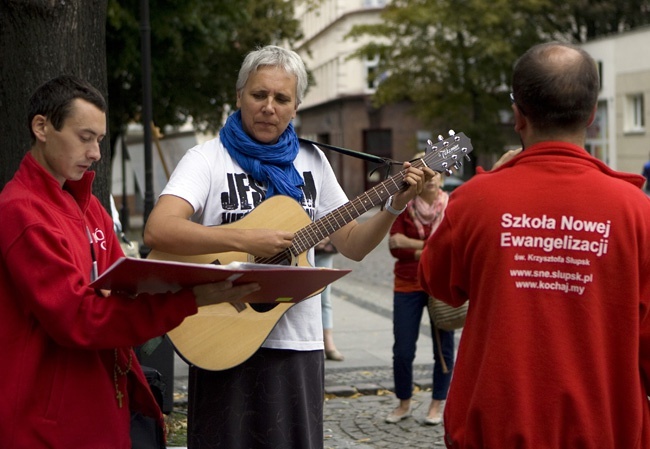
[
  {"x": 441, "y": 157},
  {"x": 310, "y": 235}
]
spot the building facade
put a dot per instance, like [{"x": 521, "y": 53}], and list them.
[
  {"x": 337, "y": 109},
  {"x": 619, "y": 135}
]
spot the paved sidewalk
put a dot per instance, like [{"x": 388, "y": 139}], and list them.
[{"x": 359, "y": 390}]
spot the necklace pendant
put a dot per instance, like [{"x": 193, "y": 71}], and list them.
[{"x": 119, "y": 397}]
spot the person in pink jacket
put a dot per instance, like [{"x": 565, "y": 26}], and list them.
[
  {"x": 551, "y": 250},
  {"x": 69, "y": 376}
]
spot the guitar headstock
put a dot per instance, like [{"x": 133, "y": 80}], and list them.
[{"x": 447, "y": 154}]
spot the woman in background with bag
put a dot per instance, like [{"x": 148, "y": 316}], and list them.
[{"x": 407, "y": 235}]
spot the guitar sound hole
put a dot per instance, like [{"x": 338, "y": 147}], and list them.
[
  {"x": 262, "y": 307},
  {"x": 282, "y": 258}
]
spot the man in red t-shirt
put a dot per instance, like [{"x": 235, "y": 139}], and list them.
[{"x": 550, "y": 248}]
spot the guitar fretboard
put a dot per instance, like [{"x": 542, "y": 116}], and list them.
[{"x": 313, "y": 233}]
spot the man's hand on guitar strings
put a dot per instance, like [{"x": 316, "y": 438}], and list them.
[
  {"x": 218, "y": 292},
  {"x": 415, "y": 178}
]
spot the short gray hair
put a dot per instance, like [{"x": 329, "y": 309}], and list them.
[{"x": 274, "y": 56}]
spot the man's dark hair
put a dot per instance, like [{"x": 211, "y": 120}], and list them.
[
  {"x": 54, "y": 98},
  {"x": 555, "y": 89}
]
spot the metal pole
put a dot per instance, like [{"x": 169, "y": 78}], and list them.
[
  {"x": 157, "y": 353},
  {"x": 145, "y": 34},
  {"x": 124, "y": 212}
]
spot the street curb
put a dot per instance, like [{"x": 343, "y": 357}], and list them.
[{"x": 346, "y": 382}]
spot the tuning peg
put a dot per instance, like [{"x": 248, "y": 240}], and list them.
[
  {"x": 452, "y": 132},
  {"x": 449, "y": 172},
  {"x": 467, "y": 158},
  {"x": 440, "y": 137},
  {"x": 429, "y": 142}
]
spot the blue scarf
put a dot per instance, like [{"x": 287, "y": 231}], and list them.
[{"x": 272, "y": 164}]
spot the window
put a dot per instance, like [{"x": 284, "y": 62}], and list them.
[
  {"x": 374, "y": 3},
  {"x": 597, "y": 142},
  {"x": 600, "y": 75},
  {"x": 423, "y": 138},
  {"x": 372, "y": 78},
  {"x": 634, "y": 113},
  {"x": 378, "y": 142}
]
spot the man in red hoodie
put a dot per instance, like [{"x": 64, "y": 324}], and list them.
[
  {"x": 551, "y": 249},
  {"x": 70, "y": 378}
]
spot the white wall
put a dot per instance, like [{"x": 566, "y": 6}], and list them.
[
  {"x": 625, "y": 62},
  {"x": 326, "y": 52}
]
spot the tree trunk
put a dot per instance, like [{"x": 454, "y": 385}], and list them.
[{"x": 39, "y": 40}]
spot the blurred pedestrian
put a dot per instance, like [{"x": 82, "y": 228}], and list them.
[
  {"x": 646, "y": 175},
  {"x": 407, "y": 236}
]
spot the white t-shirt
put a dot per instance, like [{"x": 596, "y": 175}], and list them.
[{"x": 221, "y": 192}]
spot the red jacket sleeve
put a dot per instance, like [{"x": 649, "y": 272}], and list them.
[{"x": 400, "y": 227}]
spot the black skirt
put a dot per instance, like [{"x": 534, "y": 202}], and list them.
[{"x": 274, "y": 400}]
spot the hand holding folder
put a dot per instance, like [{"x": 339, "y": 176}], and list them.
[{"x": 278, "y": 283}]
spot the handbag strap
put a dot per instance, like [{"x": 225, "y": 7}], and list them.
[{"x": 445, "y": 369}]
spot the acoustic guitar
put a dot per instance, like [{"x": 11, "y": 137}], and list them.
[{"x": 224, "y": 335}]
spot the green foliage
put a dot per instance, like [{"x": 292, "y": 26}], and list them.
[
  {"x": 453, "y": 59},
  {"x": 197, "y": 47},
  {"x": 589, "y": 19}
]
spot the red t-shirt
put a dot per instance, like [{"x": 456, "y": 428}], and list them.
[{"x": 552, "y": 249}]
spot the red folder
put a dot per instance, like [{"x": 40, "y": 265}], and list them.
[{"x": 278, "y": 283}]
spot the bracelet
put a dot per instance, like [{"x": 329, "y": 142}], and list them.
[{"x": 389, "y": 207}]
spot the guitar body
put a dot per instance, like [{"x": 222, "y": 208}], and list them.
[{"x": 224, "y": 335}]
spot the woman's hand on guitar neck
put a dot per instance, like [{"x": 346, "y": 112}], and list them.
[
  {"x": 415, "y": 179},
  {"x": 218, "y": 292}
]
